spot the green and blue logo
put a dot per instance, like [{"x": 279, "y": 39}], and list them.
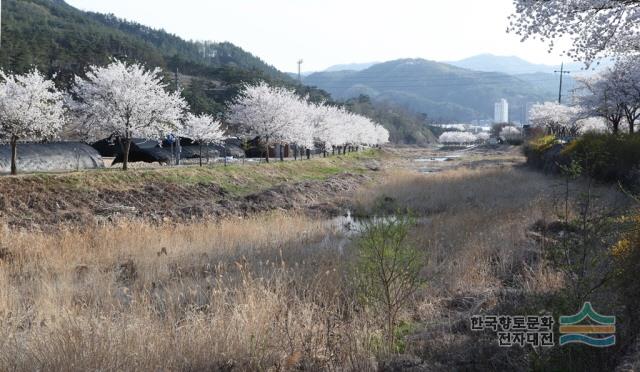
[{"x": 600, "y": 333}]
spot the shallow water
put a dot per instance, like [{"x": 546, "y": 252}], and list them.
[{"x": 437, "y": 159}]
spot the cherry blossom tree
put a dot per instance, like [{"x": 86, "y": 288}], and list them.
[
  {"x": 624, "y": 77},
  {"x": 555, "y": 118},
  {"x": 203, "y": 130},
  {"x": 592, "y": 125},
  {"x": 320, "y": 117},
  {"x": 599, "y": 97},
  {"x": 483, "y": 136},
  {"x": 613, "y": 94},
  {"x": 127, "y": 101},
  {"x": 300, "y": 130},
  {"x": 510, "y": 134},
  {"x": 262, "y": 110},
  {"x": 596, "y": 27},
  {"x": 31, "y": 109}
]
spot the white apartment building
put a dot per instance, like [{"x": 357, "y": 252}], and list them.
[{"x": 501, "y": 111}]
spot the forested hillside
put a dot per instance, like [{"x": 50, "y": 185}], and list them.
[
  {"x": 404, "y": 126},
  {"x": 62, "y": 41}
]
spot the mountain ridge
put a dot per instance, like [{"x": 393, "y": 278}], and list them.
[{"x": 437, "y": 89}]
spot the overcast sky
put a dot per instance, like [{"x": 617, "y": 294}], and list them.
[{"x": 329, "y": 32}]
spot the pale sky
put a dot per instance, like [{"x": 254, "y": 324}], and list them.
[{"x": 329, "y": 32}]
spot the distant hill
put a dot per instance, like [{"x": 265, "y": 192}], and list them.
[
  {"x": 439, "y": 90},
  {"x": 505, "y": 64},
  {"x": 513, "y": 65},
  {"x": 351, "y": 67}
]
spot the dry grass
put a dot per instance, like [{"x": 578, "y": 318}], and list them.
[
  {"x": 474, "y": 228},
  {"x": 254, "y": 294},
  {"x": 271, "y": 292},
  {"x": 475, "y": 225}
]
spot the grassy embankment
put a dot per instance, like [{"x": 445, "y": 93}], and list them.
[
  {"x": 237, "y": 179},
  {"x": 177, "y": 193}
]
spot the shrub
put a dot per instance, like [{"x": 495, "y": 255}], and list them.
[
  {"x": 535, "y": 150},
  {"x": 626, "y": 254},
  {"x": 607, "y": 157},
  {"x": 387, "y": 270}
]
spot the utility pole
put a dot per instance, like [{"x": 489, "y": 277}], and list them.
[
  {"x": 562, "y": 72},
  {"x": 300, "y": 71}
]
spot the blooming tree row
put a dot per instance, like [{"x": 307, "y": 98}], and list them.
[
  {"x": 120, "y": 100},
  {"x": 563, "y": 120},
  {"x": 456, "y": 137},
  {"x": 127, "y": 101},
  {"x": 278, "y": 115}
]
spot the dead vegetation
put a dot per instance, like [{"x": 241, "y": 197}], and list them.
[{"x": 273, "y": 291}]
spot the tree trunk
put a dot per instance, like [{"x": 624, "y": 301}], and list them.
[
  {"x": 125, "y": 154},
  {"x": 14, "y": 155},
  {"x": 333, "y": 150},
  {"x": 267, "y": 149},
  {"x": 200, "y": 154},
  {"x": 308, "y": 154},
  {"x": 295, "y": 152},
  {"x": 281, "y": 152}
]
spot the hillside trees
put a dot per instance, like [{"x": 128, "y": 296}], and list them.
[
  {"x": 126, "y": 101},
  {"x": 31, "y": 108}
]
